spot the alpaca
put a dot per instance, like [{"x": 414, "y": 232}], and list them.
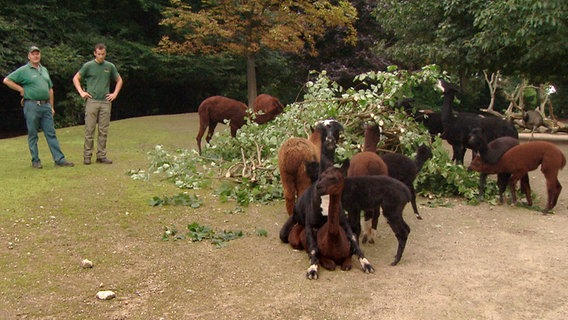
[
  {"x": 296, "y": 152},
  {"x": 217, "y": 109},
  {"x": 266, "y": 108},
  {"x": 333, "y": 244},
  {"x": 405, "y": 170},
  {"x": 309, "y": 215},
  {"x": 491, "y": 153},
  {"x": 457, "y": 128},
  {"x": 521, "y": 159},
  {"x": 367, "y": 163},
  {"x": 372, "y": 191}
]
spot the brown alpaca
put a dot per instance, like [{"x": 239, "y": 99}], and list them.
[
  {"x": 521, "y": 159},
  {"x": 217, "y": 109},
  {"x": 266, "y": 108},
  {"x": 367, "y": 163},
  {"x": 301, "y": 229},
  {"x": 295, "y": 153},
  {"x": 333, "y": 244}
]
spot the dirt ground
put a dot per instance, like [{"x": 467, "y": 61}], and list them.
[{"x": 461, "y": 262}]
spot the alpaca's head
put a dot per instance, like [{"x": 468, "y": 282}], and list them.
[{"x": 330, "y": 130}]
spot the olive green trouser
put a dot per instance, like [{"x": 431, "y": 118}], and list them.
[{"x": 96, "y": 112}]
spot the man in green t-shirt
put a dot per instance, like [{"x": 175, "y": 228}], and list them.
[
  {"x": 33, "y": 83},
  {"x": 98, "y": 74}
]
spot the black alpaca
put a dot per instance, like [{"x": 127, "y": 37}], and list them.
[
  {"x": 369, "y": 192},
  {"x": 457, "y": 127}
]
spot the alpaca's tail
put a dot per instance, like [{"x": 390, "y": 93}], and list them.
[{"x": 422, "y": 155}]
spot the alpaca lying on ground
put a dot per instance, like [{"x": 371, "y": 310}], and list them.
[
  {"x": 457, "y": 128},
  {"x": 333, "y": 244},
  {"x": 308, "y": 213},
  {"x": 217, "y": 109},
  {"x": 521, "y": 159},
  {"x": 295, "y": 153}
]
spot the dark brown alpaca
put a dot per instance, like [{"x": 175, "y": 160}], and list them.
[
  {"x": 521, "y": 159},
  {"x": 217, "y": 109}
]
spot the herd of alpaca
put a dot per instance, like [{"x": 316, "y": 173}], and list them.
[
  {"x": 329, "y": 236},
  {"x": 324, "y": 202}
]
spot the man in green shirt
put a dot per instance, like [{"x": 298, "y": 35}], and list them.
[
  {"x": 97, "y": 74},
  {"x": 33, "y": 83}
]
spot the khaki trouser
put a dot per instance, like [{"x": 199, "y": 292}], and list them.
[{"x": 96, "y": 111}]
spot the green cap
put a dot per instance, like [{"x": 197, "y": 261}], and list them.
[{"x": 33, "y": 48}]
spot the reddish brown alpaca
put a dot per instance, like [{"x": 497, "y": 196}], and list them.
[
  {"x": 217, "y": 109},
  {"x": 293, "y": 157},
  {"x": 367, "y": 163},
  {"x": 332, "y": 242},
  {"x": 521, "y": 159},
  {"x": 266, "y": 108}
]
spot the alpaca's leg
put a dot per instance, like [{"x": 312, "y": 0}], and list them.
[
  {"x": 286, "y": 229},
  {"x": 413, "y": 202},
  {"x": 553, "y": 188},
  {"x": 288, "y": 185},
  {"x": 481, "y": 186},
  {"x": 526, "y": 188},
  {"x": 347, "y": 224},
  {"x": 212, "y": 126},
  {"x": 200, "y": 133},
  {"x": 400, "y": 229},
  {"x": 347, "y": 264},
  {"x": 371, "y": 222},
  {"x": 327, "y": 263},
  {"x": 502, "y": 182},
  {"x": 297, "y": 237}
]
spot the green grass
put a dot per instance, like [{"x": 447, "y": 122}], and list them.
[{"x": 52, "y": 218}]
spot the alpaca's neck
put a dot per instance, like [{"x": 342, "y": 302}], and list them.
[
  {"x": 447, "y": 116},
  {"x": 372, "y": 137},
  {"x": 333, "y": 213}
]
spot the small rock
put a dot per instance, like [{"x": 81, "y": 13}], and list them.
[
  {"x": 106, "y": 295},
  {"x": 86, "y": 264}
]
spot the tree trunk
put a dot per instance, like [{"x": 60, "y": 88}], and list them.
[{"x": 251, "y": 79}]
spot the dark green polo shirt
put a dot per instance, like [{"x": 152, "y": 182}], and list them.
[
  {"x": 98, "y": 77},
  {"x": 36, "y": 82}
]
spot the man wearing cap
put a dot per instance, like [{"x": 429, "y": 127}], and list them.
[
  {"x": 98, "y": 74},
  {"x": 33, "y": 83}
]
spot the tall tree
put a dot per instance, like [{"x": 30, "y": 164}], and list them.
[
  {"x": 245, "y": 27},
  {"x": 468, "y": 36}
]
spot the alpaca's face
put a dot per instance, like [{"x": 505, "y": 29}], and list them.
[
  {"x": 330, "y": 182},
  {"x": 330, "y": 130}
]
